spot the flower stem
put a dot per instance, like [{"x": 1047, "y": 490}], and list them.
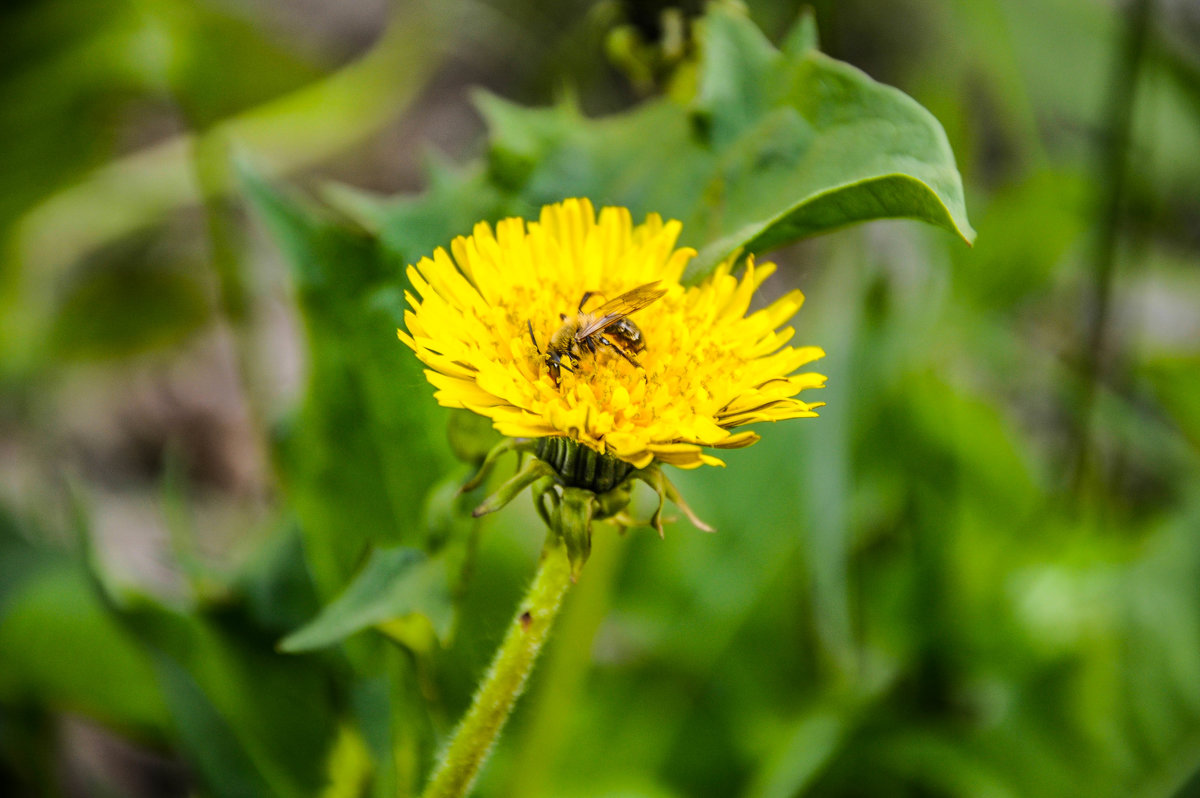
[
  {"x": 564, "y": 673},
  {"x": 505, "y": 679}
]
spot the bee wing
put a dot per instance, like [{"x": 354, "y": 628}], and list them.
[{"x": 632, "y": 300}]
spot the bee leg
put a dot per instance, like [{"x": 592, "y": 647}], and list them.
[
  {"x": 533, "y": 338},
  {"x": 618, "y": 350},
  {"x": 574, "y": 359},
  {"x": 554, "y": 365}
]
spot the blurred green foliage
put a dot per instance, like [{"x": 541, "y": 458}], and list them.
[{"x": 974, "y": 575}]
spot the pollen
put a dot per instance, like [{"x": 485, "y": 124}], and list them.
[{"x": 709, "y": 364}]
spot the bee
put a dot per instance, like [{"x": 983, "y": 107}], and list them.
[{"x": 608, "y": 325}]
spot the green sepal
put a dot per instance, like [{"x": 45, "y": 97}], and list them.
[
  {"x": 489, "y": 460},
  {"x": 545, "y": 499},
  {"x": 658, "y": 482},
  {"x": 533, "y": 471},
  {"x": 614, "y": 501},
  {"x": 573, "y": 523},
  {"x": 569, "y": 512}
]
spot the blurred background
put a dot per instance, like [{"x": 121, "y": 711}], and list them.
[{"x": 977, "y": 574}]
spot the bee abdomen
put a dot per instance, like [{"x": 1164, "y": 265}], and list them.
[{"x": 580, "y": 467}]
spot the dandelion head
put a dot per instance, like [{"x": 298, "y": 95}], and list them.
[{"x": 578, "y": 327}]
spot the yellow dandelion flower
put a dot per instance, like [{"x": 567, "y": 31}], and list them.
[{"x": 707, "y": 367}]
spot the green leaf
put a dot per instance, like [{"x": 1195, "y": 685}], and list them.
[
  {"x": 208, "y": 739},
  {"x": 54, "y": 612},
  {"x": 816, "y": 145},
  {"x": 411, "y": 228},
  {"x": 19, "y": 559},
  {"x": 803, "y": 35},
  {"x": 802, "y": 751},
  {"x": 369, "y": 441},
  {"x": 275, "y": 584},
  {"x": 775, "y": 146},
  {"x": 48, "y": 607},
  {"x": 223, "y": 64},
  {"x": 732, "y": 94},
  {"x": 253, "y": 722},
  {"x": 395, "y": 584}
]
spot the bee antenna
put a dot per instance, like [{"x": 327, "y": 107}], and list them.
[{"x": 529, "y": 324}]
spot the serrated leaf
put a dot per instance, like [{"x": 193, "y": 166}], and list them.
[
  {"x": 775, "y": 146},
  {"x": 803, "y": 35},
  {"x": 411, "y": 228},
  {"x": 394, "y": 585},
  {"x": 732, "y": 94}
]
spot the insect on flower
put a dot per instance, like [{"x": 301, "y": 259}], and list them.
[
  {"x": 608, "y": 325},
  {"x": 718, "y": 366}
]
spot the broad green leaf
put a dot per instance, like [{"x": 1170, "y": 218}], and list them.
[
  {"x": 369, "y": 440},
  {"x": 809, "y": 144},
  {"x": 775, "y": 146},
  {"x": 732, "y": 94},
  {"x": 394, "y": 584}
]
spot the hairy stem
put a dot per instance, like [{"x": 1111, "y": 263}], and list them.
[
  {"x": 564, "y": 672},
  {"x": 505, "y": 679}
]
